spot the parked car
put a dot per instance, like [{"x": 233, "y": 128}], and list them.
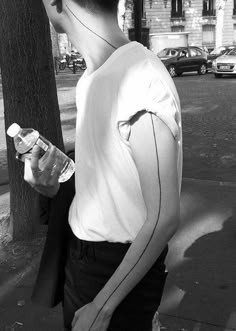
[
  {"x": 225, "y": 64},
  {"x": 184, "y": 59},
  {"x": 218, "y": 51}
]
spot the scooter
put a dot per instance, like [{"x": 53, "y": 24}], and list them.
[{"x": 62, "y": 63}]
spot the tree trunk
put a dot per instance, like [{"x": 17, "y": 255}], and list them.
[
  {"x": 220, "y": 22},
  {"x": 29, "y": 93}
]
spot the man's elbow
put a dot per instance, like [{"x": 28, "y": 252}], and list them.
[
  {"x": 173, "y": 223},
  {"x": 174, "y": 226}
]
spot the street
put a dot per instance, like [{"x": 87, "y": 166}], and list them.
[{"x": 208, "y": 115}]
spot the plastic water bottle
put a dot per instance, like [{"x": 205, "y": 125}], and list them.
[{"x": 25, "y": 139}]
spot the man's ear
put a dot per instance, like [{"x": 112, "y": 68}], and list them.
[{"x": 58, "y": 4}]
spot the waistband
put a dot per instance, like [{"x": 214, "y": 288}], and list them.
[{"x": 92, "y": 248}]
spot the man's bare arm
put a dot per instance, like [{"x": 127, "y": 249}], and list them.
[{"x": 155, "y": 154}]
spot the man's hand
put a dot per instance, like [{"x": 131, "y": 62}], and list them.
[
  {"x": 43, "y": 173},
  {"x": 90, "y": 318}
]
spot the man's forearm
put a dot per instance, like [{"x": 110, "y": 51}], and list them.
[{"x": 141, "y": 255}]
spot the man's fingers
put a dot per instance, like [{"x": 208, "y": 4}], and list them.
[
  {"x": 27, "y": 171},
  {"x": 35, "y": 159},
  {"x": 48, "y": 160},
  {"x": 45, "y": 167}
]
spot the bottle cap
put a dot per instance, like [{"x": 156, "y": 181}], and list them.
[{"x": 13, "y": 130}]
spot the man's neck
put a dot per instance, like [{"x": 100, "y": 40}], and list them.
[{"x": 95, "y": 37}]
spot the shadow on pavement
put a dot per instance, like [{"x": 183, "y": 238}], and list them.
[{"x": 201, "y": 286}]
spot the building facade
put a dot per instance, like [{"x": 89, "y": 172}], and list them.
[{"x": 198, "y": 18}]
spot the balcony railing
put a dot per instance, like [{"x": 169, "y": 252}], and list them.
[
  {"x": 209, "y": 12},
  {"x": 178, "y": 14}
]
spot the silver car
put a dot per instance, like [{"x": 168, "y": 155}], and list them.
[{"x": 225, "y": 64}]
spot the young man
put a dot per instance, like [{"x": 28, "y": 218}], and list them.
[{"x": 128, "y": 157}]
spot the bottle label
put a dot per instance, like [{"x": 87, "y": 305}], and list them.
[{"x": 42, "y": 144}]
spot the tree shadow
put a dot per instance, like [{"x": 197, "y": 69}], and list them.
[
  {"x": 203, "y": 281},
  {"x": 208, "y": 277}
]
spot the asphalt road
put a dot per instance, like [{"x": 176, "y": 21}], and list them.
[{"x": 209, "y": 122}]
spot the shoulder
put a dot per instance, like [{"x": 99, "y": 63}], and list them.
[{"x": 143, "y": 68}]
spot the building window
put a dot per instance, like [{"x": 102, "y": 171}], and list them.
[
  {"x": 208, "y": 35},
  {"x": 177, "y": 28},
  {"x": 209, "y": 8},
  {"x": 234, "y": 9},
  {"x": 177, "y": 8}
]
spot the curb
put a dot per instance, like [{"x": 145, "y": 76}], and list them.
[
  {"x": 209, "y": 182},
  {"x": 183, "y": 323}
]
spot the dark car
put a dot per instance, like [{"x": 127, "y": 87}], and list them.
[
  {"x": 218, "y": 51},
  {"x": 184, "y": 59}
]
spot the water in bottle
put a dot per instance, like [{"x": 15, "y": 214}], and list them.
[{"x": 25, "y": 139}]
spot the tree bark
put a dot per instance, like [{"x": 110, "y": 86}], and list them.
[{"x": 29, "y": 92}]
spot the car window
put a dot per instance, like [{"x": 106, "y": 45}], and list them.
[
  {"x": 173, "y": 52},
  {"x": 218, "y": 50},
  {"x": 232, "y": 52},
  {"x": 183, "y": 53},
  {"x": 225, "y": 51},
  {"x": 194, "y": 52},
  {"x": 168, "y": 52}
]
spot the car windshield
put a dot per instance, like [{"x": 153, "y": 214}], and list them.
[
  {"x": 168, "y": 52},
  {"x": 232, "y": 52},
  {"x": 218, "y": 50}
]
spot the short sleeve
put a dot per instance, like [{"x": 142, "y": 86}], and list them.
[
  {"x": 163, "y": 101},
  {"x": 160, "y": 99}
]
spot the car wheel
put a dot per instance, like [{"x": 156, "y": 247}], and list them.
[
  {"x": 172, "y": 70},
  {"x": 62, "y": 66},
  {"x": 202, "y": 69},
  {"x": 218, "y": 75}
]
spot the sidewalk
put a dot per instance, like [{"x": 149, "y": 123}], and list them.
[{"x": 200, "y": 294}]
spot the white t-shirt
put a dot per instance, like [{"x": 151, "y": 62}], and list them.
[{"x": 108, "y": 204}]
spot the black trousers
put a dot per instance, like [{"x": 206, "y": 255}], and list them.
[{"x": 88, "y": 268}]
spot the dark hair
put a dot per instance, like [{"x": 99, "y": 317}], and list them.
[{"x": 107, "y": 6}]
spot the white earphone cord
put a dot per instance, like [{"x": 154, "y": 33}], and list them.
[{"x": 90, "y": 29}]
